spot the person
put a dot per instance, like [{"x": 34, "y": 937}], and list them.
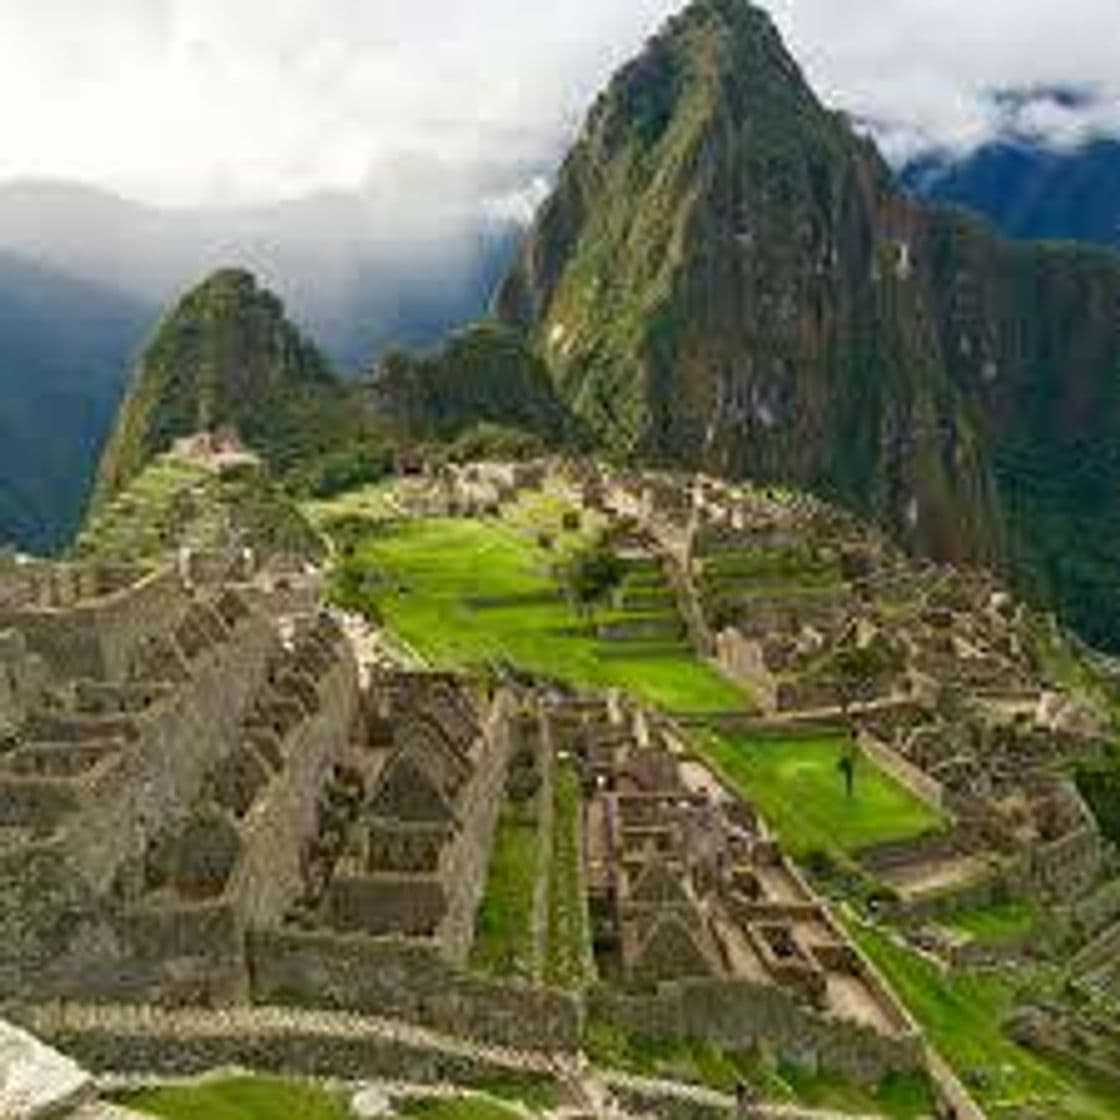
[
  {"x": 847, "y": 767},
  {"x": 744, "y": 1101}
]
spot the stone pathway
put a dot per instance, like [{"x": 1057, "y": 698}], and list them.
[{"x": 591, "y": 1087}]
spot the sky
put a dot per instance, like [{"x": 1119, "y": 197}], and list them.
[{"x": 470, "y": 102}]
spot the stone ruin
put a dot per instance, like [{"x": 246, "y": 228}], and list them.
[
  {"x": 411, "y": 859},
  {"x": 163, "y": 750},
  {"x": 686, "y": 884},
  {"x": 958, "y": 706}
]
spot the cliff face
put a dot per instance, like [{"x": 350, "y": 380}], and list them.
[
  {"x": 726, "y": 276},
  {"x": 225, "y": 355}
]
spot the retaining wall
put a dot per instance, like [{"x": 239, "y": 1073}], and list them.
[{"x": 409, "y": 980}]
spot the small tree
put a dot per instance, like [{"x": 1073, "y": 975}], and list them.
[{"x": 591, "y": 577}]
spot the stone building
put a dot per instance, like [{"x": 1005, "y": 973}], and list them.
[{"x": 157, "y": 791}]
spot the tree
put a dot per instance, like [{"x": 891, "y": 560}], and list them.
[{"x": 592, "y": 575}]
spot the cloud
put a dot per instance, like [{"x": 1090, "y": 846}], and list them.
[
  {"x": 928, "y": 73},
  {"x": 441, "y": 105}
]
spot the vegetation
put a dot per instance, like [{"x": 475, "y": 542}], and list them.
[
  {"x": 227, "y": 356},
  {"x": 470, "y": 593},
  {"x": 1010, "y": 920},
  {"x": 962, "y": 1012},
  {"x": 361, "y": 463},
  {"x": 592, "y": 575},
  {"x": 483, "y": 387},
  {"x": 1099, "y": 783},
  {"x": 703, "y": 1063},
  {"x": 504, "y": 938},
  {"x": 798, "y": 787},
  {"x": 241, "y": 1098},
  {"x": 176, "y": 501},
  {"x": 569, "y": 935},
  {"x": 465, "y": 1107}
]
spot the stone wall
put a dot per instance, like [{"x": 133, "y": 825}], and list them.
[
  {"x": 22, "y": 677},
  {"x": 269, "y": 877},
  {"x": 741, "y": 658},
  {"x": 468, "y": 858},
  {"x": 408, "y": 979},
  {"x": 909, "y": 776},
  {"x": 179, "y": 1044},
  {"x": 97, "y": 638},
  {"x": 741, "y": 1015}
]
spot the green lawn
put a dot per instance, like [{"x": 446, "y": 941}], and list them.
[
  {"x": 999, "y": 923},
  {"x": 241, "y": 1098},
  {"x": 797, "y": 786},
  {"x": 465, "y": 593},
  {"x": 569, "y": 946},
  {"x": 503, "y": 942},
  {"x": 694, "y": 1061},
  {"x": 961, "y": 1012}
]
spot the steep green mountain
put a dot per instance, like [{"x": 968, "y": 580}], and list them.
[
  {"x": 64, "y": 345},
  {"x": 727, "y": 276},
  {"x": 226, "y": 355},
  {"x": 484, "y": 375}
]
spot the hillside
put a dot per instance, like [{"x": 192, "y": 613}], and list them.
[
  {"x": 64, "y": 346},
  {"x": 726, "y": 276},
  {"x": 227, "y": 356},
  {"x": 484, "y": 375},
  {"x": 179, "y": 502}
]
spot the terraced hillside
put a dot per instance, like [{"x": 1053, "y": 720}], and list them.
[
  {"x": 827, "y": 630},
  {"x": 177, "y": 502},
  {"x": 485, "y": 592}
]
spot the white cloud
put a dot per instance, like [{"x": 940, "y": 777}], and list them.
[{"x": 449, "y": 101}]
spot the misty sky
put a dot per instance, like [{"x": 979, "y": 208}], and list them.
[{"x": 242, "y": 101}]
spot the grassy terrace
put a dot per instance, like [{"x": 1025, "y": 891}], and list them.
[
  {"x": 242, "y": 1098},
  {"x": 503, "y": 943},
  {"x": 702, "y": 1063},
  {"x": 962, "y": 1012},
  {"x": 1000, "y": 923},
  {"x": 797, "y": 786},
  {"x": 466, "y": 593},
  {"x": 569, "y": 945}
]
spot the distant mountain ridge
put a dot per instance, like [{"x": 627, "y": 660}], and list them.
[
  {"x": 66, "y": 347},
  {"x": 727, "y": 276},
  {"x": 348, "y": 277},
  {"x": 1030, "y": 190}
]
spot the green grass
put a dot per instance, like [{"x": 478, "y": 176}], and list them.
[
  {"x": 503, "y": 943},
  {"x": 241, "y": 1098},
  {"x": 961, "y": 1012},
  {"x": 694, "y": 1061},
  {"x": 569, "y": 947},
  {"x": 798, "y": 788},
  {"x": 456, "y": 1108},
  {"x": 469, "y": 593},
  {"x": 1000, "y": 923}
]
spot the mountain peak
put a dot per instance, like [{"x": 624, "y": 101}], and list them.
[
  {"x": 726, "y": 276},
  {"x": 225, "y": 355}
]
